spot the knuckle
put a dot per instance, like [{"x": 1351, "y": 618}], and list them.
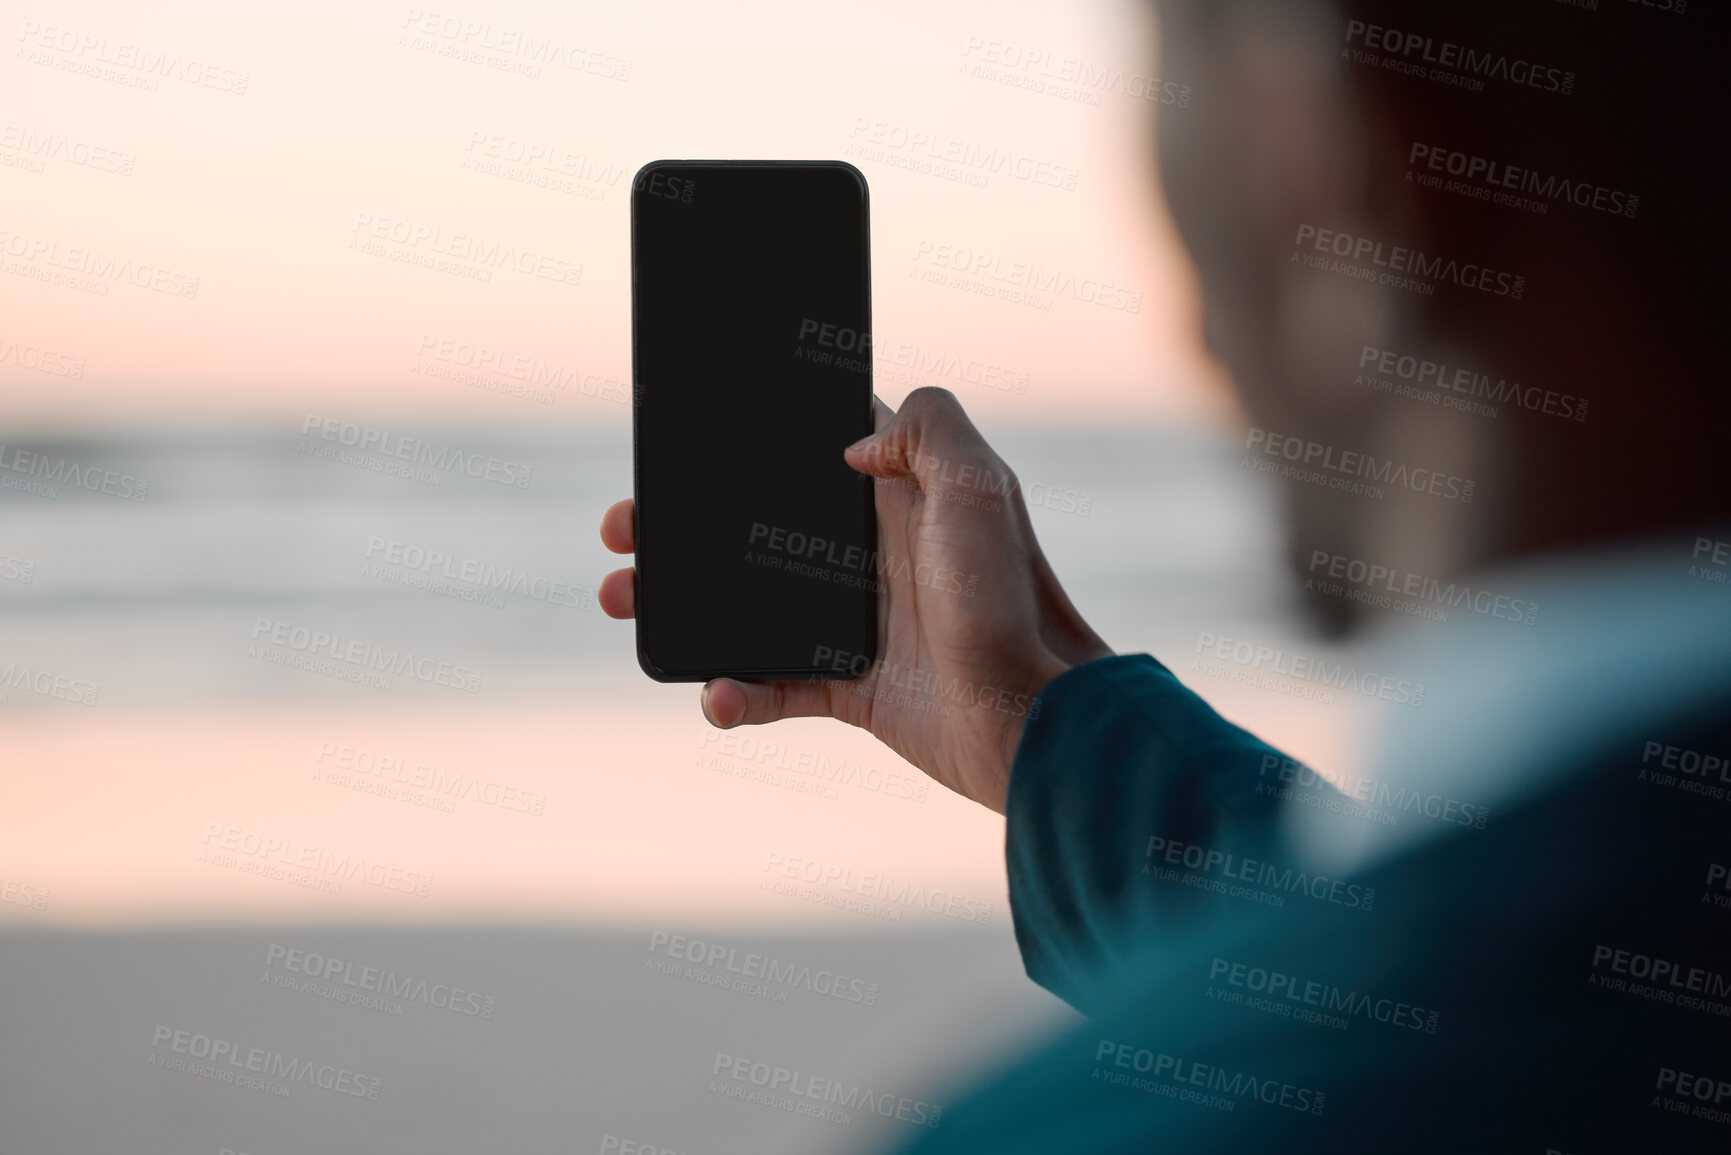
[{"x": 932, "y": 399}]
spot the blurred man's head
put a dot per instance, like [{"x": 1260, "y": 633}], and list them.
[{"x": 1401, "y": 212}]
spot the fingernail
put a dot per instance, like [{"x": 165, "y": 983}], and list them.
[
  {"x": 861, "y": 443},
  {"x": 704, "y": 702}
]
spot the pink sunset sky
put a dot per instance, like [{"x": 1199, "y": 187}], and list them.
[{"x": 187, "y": 190}]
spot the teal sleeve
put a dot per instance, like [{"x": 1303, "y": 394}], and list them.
[
  {"x": 1487, "y": 1001},
  {"x": 1130, "y": 803}
]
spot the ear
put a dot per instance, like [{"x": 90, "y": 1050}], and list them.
[{"x": 1275, "y": 154}]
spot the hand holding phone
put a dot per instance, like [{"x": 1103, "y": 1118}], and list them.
[{"x": 972, "y": 622}]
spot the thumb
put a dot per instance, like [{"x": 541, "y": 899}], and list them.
[
  {"x": 930, "y": 439},
  {"x": 863, "y": 451}
]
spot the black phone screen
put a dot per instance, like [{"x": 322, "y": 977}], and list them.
[{"x": 752, "y": 371}]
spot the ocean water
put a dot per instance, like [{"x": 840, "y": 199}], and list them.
[{"x": 157, "y": 598}]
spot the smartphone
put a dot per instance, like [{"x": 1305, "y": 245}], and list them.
[{"x": 756, "y": 546}]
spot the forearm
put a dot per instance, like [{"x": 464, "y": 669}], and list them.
[{"x": 1122, "y": 777}]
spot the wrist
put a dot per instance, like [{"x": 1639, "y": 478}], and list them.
[{"x": 1044, "y": 667}]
